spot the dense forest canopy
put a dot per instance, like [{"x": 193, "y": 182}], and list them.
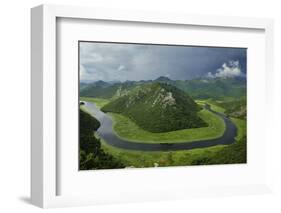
[{"x": 91, "y": 154}]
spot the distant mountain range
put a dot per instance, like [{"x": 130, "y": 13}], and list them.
[
  {"x": 216, "y": 88},
  {"x": 155, "y": 106}
]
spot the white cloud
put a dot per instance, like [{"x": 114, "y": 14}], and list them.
[
  {"x": 121, "y": 68},
  {"x": 229, "y": 69}
]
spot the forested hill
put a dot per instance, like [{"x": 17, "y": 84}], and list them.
[{"x": 157, "y": 107}]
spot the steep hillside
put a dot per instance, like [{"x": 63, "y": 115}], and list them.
[
  {"x": 157, "y": 107},
  {"x": 91, "y": 156}
]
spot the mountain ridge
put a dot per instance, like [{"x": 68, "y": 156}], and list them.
[{"x": 216, "y": 88}]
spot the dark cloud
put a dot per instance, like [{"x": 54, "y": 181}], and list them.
[{"x": 111, "y": 61}]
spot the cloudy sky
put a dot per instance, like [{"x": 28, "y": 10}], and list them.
[{"x": 121, "y": 62}]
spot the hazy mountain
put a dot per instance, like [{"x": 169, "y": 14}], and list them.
[
  {"x": 163, "y": 79},
  {"x": 101, "y": 84},
  {"x": 217, "y": 88}
]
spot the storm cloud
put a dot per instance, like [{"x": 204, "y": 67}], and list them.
[{"x": 121, "y": 62}]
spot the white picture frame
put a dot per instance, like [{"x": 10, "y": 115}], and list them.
[{"x": 44, "y": 169}]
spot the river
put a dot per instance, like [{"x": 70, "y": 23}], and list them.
[{"x": 109, "y": 135}]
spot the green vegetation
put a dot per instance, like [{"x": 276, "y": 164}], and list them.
[
  {"x": 218, "y": 88},
  {"x": 235, "y": 153},
  {"x": 157, "y": 108},
  {"x": 232, "y": 154},
  {"x": 235, "y": 108},
  {"x": 88, "y": 125},
  {"x": 241, "y": 127},
  {"x": 214, "y": 106},
  {"x": 91, "y": 155},
  {"x": 127, "y": 129},
  {"x": 156, "y": 112},
  {"x": 141, "y": 159},
  {"x": 100, "y": 102}
]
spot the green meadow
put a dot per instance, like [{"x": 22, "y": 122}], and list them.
[{"x": 126, "y": 129}]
